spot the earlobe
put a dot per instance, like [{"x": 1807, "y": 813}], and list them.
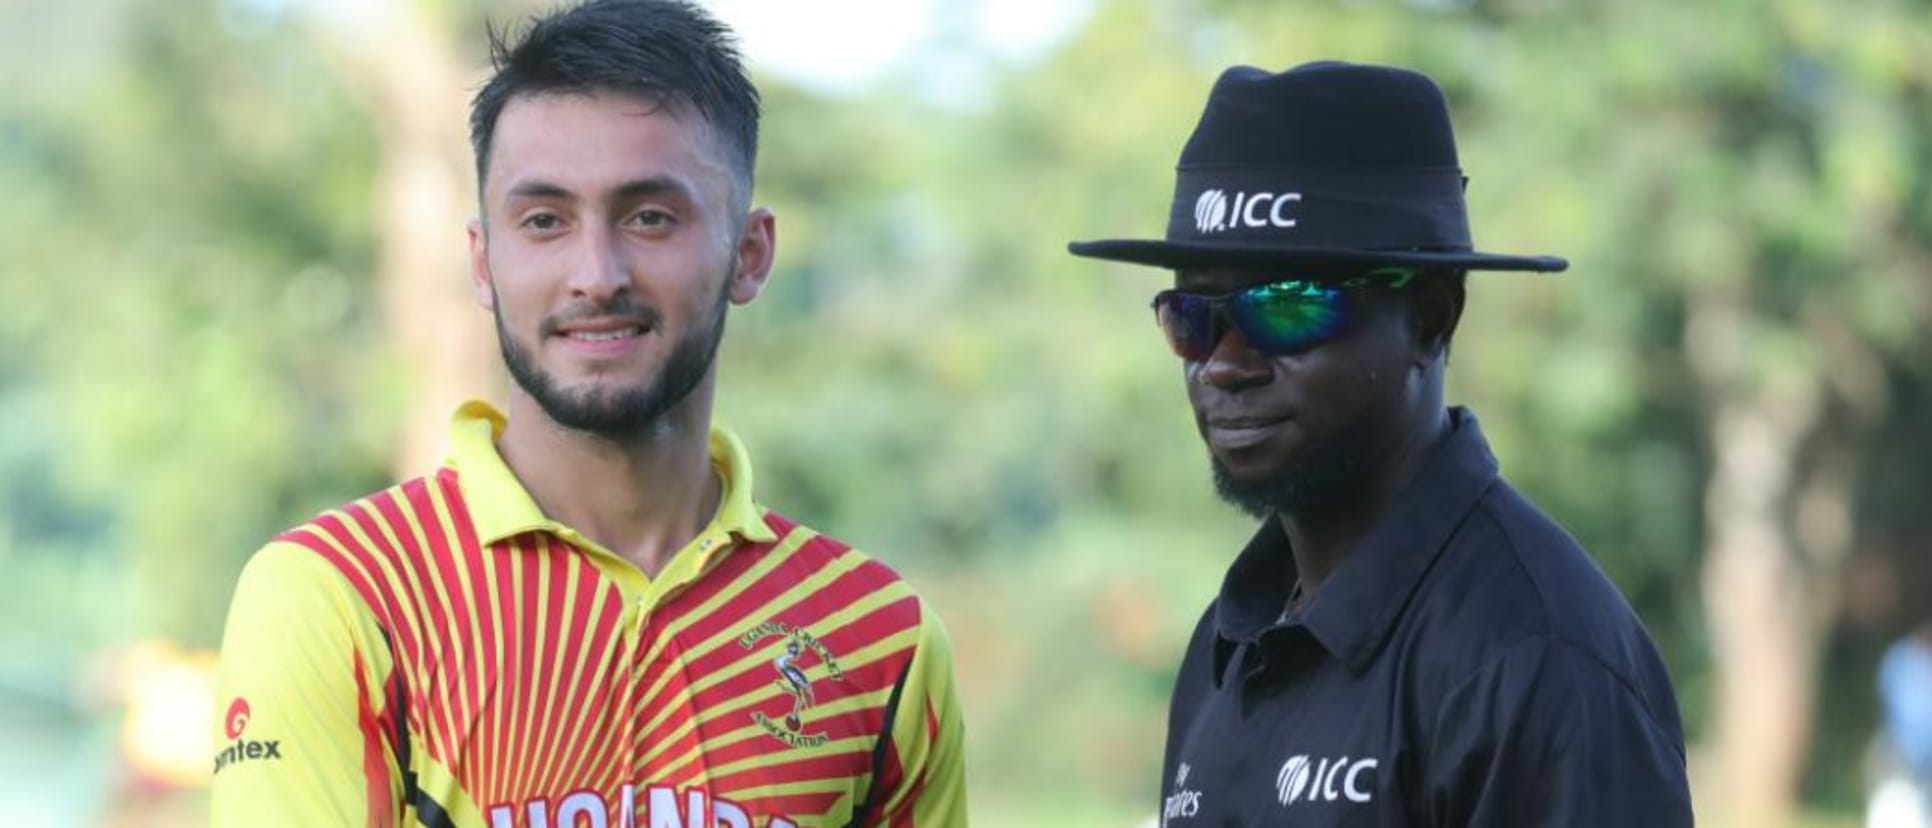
[{"x": 757, "y": 249}]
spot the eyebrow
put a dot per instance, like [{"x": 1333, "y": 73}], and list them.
[
  {"x": 635, "y": 188},
  {"x": 655, "y": 185}
]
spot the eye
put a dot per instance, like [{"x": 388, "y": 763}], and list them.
[
  {"x": 652, "y": 217},
  {"x": 542, "y": 221}
]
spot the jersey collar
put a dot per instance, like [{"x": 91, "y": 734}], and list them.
[
  {"x": 1363, "y": 598},
  {"x": 500, "y": 507}
]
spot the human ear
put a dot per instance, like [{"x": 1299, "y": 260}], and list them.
[
  {"x": 752, "y": 260},
  {"x": 1435, "y": 302}
]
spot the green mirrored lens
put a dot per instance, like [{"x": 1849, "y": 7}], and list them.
[{"x": 1283, "y": 317}]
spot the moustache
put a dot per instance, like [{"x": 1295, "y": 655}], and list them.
[{"x": 622, "y": 308}]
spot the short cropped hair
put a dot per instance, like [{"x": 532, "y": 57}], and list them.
[{"x": 667, "y": 52}]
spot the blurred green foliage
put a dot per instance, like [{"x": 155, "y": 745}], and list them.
[{"x": 193, "y": 355}]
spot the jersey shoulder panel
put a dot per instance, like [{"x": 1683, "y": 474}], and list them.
[{"x": 396, "y": 545}]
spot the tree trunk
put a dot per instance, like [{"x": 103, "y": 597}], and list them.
[
  {"x": 1762, "y": 633},
  {"x": 1764, "y": 612},
  {"x": 418, "y": 93}
]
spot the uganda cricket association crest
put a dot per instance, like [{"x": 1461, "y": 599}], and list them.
[{"x": 794, "y": 680}]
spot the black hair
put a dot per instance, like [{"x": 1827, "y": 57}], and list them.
[{"x": 668, "y": 52}]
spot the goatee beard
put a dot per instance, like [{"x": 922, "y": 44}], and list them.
[
  {"x": 1322, "y": 479},
  {"x": 625, "y": 413}
]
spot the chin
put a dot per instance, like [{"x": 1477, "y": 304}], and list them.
[
  {"x": 1264, "y": 459},
  {"x": 1250, "y": 466},
  {"x": 600, "y": 383}
]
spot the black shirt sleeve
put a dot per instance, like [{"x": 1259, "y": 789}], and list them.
[{"x": 1548, "y": 735}]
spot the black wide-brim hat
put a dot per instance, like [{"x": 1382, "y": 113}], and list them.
[{"x": 1326, "y": 165}]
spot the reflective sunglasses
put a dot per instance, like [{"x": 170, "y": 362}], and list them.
[{"x": 1286, "y": 316}]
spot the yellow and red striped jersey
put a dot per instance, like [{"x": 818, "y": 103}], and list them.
[{"x": 442, "y": 654}]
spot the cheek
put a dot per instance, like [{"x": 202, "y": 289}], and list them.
[
  {"x": 1191, "y": 382},
  {"x": 710, "y": 282},
  {"x": 1362, "y": 382},
  {"x": 517, "y": 271}
]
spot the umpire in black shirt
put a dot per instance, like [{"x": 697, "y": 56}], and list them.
[{"x": 1406, "y": 641}]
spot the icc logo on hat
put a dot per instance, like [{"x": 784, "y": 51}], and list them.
[{"x": 1214, "y": 212}]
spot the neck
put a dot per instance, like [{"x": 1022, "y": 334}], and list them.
[
  {"x": 1322, "y": 540},
  {"x": 643, "y": 495}
]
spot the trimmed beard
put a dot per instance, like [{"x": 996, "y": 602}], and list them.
[
  {"x": 624, "y": 413},
  {"x": 1326, "y": 477}
]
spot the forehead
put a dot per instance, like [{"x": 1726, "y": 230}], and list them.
[{"x": 589, "y": 142}]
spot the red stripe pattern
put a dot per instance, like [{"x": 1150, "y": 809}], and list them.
[{"x": 536, "y": 692}]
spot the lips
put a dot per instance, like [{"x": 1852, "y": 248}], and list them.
[
  {"x": 603, "y": 338},
  {"x": 1245, "y": 422},
  {"x": 605, "y": 327},
  {"x": 1243, "y": 431},
  {"x": 605, "y": 335}
]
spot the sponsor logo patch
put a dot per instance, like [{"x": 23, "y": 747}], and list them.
[{"x": 239, "y": 749}]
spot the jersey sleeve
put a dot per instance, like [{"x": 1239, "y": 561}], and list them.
[
  {"x": 928, "y": 739},
  {"x": 1548, "y": 736},
  {"x": 299, "y": 740}
]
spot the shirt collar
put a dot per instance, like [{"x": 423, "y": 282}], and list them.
[
  {"x": 500, "y": 507},
  {"x": 1357, "y": 607}
]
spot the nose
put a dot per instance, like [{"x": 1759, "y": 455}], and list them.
[
  {"x": 1234, "y": 364},
  {"x": 601, "y": 271}
]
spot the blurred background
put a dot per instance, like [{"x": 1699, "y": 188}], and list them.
[{"x": 232, "y": 293}]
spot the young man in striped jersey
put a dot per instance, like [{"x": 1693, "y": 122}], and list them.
[{"x": 584, "y": 618}]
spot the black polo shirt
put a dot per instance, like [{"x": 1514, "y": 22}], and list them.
[{"x": 1466, "y": 665}]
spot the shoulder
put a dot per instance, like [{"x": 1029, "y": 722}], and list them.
[
  {"x": 831, "y": 572},
  {"x": 417, "y": 511},
  {"x": 1547, "y": 733},
  {"x": 854, "y": 569},
  {"x": 379, "y": 544},
  {"x": 284, "y": 579},
  {"x": 292, "y": 609},
  {"x": 1510, "y": 573},
  {"x": 1196, "y": 674},
  {"x": 1554, "y": 678},
  {"x": 1546, "y": 579},
  {"x": 1514, "y": 587},
  {"x": 1200, "y": 645}
]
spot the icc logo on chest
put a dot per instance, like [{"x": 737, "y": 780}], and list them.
[{"x": 1303, "y": 779}]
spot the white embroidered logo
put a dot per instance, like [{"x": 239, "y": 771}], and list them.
[
  {"x": 1214, "y": 212},
  {"x": 1183, "y": 804},
  {"x": 1318, "y": 778},
  {"x": 1211, "y": 211}
]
